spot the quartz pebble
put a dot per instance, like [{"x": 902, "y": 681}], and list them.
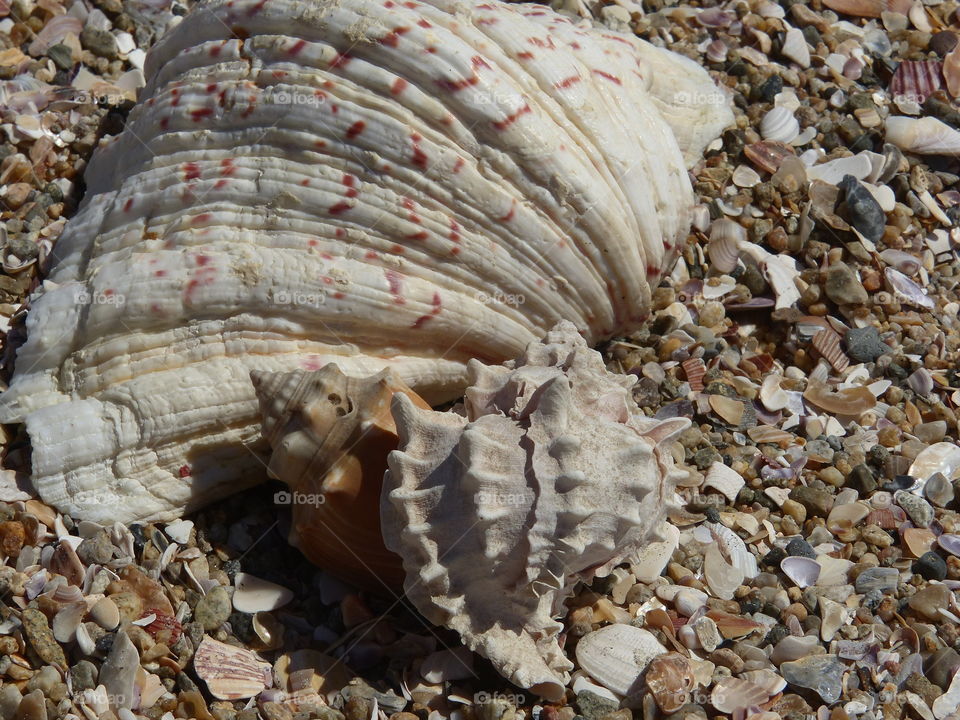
[{"x": 821, "y": 673}]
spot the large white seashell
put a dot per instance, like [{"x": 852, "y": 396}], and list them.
[
  {"x": 412, "y": 184},
  {"x": 616, "y": 656},
  {"x": 552, "y": 475}
]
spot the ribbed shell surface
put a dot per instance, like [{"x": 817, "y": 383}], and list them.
[{"x": 370, "y": 182}]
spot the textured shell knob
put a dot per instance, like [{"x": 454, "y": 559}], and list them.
[{"x": 551, "y": 475}]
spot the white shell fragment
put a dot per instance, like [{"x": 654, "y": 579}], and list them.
[
  {"x": 360, "y": 182},
  {"x": 550, "y": 476},
  {"x": 254, "y": 594},
  {"x": 725, "y": 479},
  {"x": 803, "y": 571},
  {"x": 924, "y": 136},
  {"x": 616, "y": 656}
]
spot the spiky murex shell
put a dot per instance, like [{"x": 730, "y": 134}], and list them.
[{"x": 551, "y": 475}]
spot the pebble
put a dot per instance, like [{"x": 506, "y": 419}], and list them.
[
  {"x": 918, "y": 509},
  {"x": 32, "y": 707},
  {"x": 930, "y": 566},
  {"x": 213, "y": 609},
  {"x": 12, "y": 538},
  {"x": 864, "y": 344},
  {"x": 83, "y": 675},
  {"x": 97, "y": 550},
  {"x": 843, "y": 287},
  {"x": 40, "y": 636},
  {"x": 99, "y": 42},
  {"x": 801, "y": 548},
  {"x": 821, "y": 673},
  {"x": 591, "y": 705},
  {"x": 942, "y": 664},
  {"x": 816, "y": 502},
  {"x": 880, "y": 579},
  {"x": 863, "y": 210}
]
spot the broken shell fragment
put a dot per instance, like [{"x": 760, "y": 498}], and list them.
[
  {"x": 617, "y": 655},
  {"x": 847, "y": 401},
  {"x": 254, "y": 594},
  {"x": 670, "y": 679},
  {"x": 725, "y": 479},
  {"x": 803, "y": 571},
  {"x": 924, "y": 136},
  {"x": 230, "y": 672}
]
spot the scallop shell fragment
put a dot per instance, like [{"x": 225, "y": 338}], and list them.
[
  {"x": 550, "y": 476},
  {"x": 362, "y": 182},
  {"x": 617, "y": 655},
  {"x": 231, "y": 673}
]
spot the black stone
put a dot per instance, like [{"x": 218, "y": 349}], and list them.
[
  {"x": 862, "y": 480},
  {"x": 773, "y": 558},
  {"x": 930, "y": 566},
  {"x": 864, "y": 344},
  {"x": 768, "y": 89},
  {"x": 798, "y": 547}
]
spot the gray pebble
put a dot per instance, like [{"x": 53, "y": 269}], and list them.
[
  {"x": 801, "y": 548},
  {"x": 593, "y": 706},
  {"x": 99, "y": 42},
  {"x": 83, "y": 676},
  {"x": 843, "y": 287},
  {"x": 61, "y": 55},
  {"x": 864, "y": 211},
  {"x": 821, "y": 673},
  {"x": 97, "y": 550},
  {"x": 918, "y": 509},
  {"x": 213, "y": 609},
  {"x": 930, "y": 566},
  {"x": 881, "y": 579}
]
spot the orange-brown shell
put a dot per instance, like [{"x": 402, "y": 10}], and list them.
[{"x": 331, "y": 435}]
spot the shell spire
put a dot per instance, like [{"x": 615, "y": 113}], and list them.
[{"x": 550, "y": 476}]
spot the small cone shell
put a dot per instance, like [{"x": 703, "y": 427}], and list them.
[{"x": 331, "y": 435}]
